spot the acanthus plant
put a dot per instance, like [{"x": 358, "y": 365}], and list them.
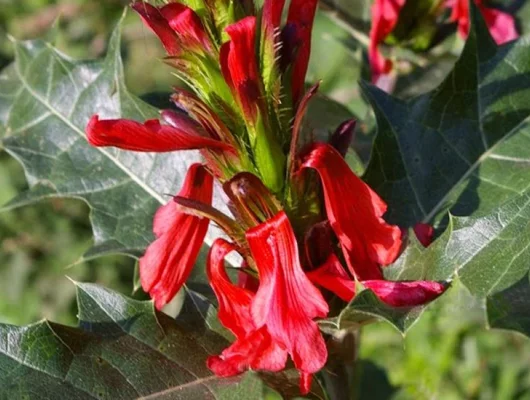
[{"x": 306, "y": 227}]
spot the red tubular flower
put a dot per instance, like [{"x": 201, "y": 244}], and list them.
[
  {"x": 169, "y": 260},
  {"x": 405, "y": 294},
  {"x": 239, "y": 65},
  {"x": 188, "y": 26},
  {"x": 366, "y": 239},
  {"x": 331, "y": 275},
  {"x": 385, "y": 14},
  {"x": 254, "y": 348},
  {"x": 176, "y": 25},
  {"x": 300, "y": 20},
  {"x": 151, "y": 135},
  {"x": 287, "y": 302},
  {"x": 159, "y": 25},
  {"x": 501, "y": 25},
  {"x": 272, "y": 14}
]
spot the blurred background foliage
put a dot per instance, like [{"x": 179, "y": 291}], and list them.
[{"x": 447, "y": 355}]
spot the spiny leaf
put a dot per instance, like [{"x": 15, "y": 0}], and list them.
[
  {"x": 445, "y": 148},
  {"x": 122, "y": 349},
  {"x": 46, "y": 100},
  {"x": 366, "y": 306}
]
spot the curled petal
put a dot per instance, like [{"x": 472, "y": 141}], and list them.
[
  {"x": 254, "y": 348},
  {"x": 405, "y": 294},
  {"x": 355, "y": 212},
  {"x": 257, "y": 351},
  {"x": 169, "y": 260},
  {"x": 150, "y": 136},
  {"x": 300, "y": 19},
  {"x": 234, "y": 301},
  {"x": 239, "y": 65},
  {"x": 331, "y": 275},
  {"x": 159, "y": 25},
  {"x": 188, "y": 26},
  {"x": 286, "y": 301},
  {"x": 385, "y": 14}
]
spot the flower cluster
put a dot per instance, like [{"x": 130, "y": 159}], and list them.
[
  {"x": 385, "y": 16},
  {"x": 305, "y": 225}
]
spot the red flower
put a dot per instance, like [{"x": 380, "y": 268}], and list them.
[
  {"x": 176, "y": 25},
  {"x": 385, "y": 14},
  {"x": 405, "y": 294},
  {"x": 169, "y": 260},
  {"x": 185, "y": 134},
  {"x": 254, "y": 348},
  {"x": 355, "y": 212},
  {"x": 397, "y": 294},
  {"x": 278, "y": 319},
  {"x": 287, "y": 302},
  {"x": 239, "y": 65},
  {"x": 332, "y": 276},
  {"x": 501, "y": 25},
  {"x": 300, "y": 24}
]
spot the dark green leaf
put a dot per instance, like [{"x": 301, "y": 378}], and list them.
[
  {"x": 122, "y": 349},
  {"x": 449, "y": 147},
  {"x": 366, "y": 306},
  {"x": 46, "y": 100},
  {"x": 510, "y": 309}
]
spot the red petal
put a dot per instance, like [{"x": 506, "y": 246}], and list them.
[
  {"x": 188, "y": 26},
  {"x": 150, "y": 136},
  {"x": 286, "y": 301},
  {"x": 305, "y": 382},
  {"x": 301, "y": 17},
  {"x": 355, "y": 212},
  {"x": 501, "y": 25},
  {"x": 240, "y": 65},
  {"x": 424, "y": 233},
  {"x": 247, "y": 281},
  {"x": 385, "y": 14},
  {"x": 405, "y": 294},
  {"x": 158, "y": 24},
  {"x": 234, "y": 301},
  {"x": 169, "y": 260},
  {"x": 332, "y": 276},
  {"x": 272, "y": 12},
  {"x": 257, "y": 351}
]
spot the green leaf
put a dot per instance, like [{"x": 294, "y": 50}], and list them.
[
  {"x": 366, "y": 307},
  {"x": 46, "y": 100},
  {"x": 510, "y": 309},
  {"x": 448, "y": 148},
  {"x": 122, "y": 349}
]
